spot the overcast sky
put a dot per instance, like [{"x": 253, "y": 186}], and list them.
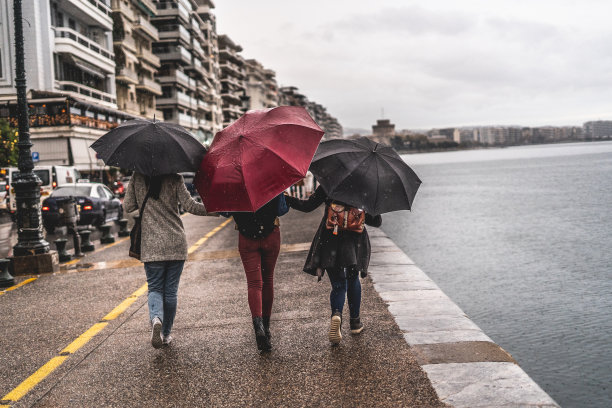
[{"x": 435, "y": 63}]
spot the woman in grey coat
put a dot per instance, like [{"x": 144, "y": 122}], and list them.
[{"x": 163, "y": 243}]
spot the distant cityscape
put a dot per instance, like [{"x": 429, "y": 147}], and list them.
[
  {"x": 384, "y": 131},
  {"x": 92, "y": 64}
]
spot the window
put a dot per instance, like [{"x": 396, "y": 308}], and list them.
[{"x": 1, "y": 67}]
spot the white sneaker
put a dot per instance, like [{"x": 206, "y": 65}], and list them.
[
  {"x": 156, "y": 337},
  {"x": 335, "y": 334},
  {"x": 166, "y": 340}
]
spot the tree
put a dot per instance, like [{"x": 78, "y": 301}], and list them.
[{"x": 9, "y": 153}]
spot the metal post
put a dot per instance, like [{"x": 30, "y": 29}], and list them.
[{"x": 30, "y": 240}]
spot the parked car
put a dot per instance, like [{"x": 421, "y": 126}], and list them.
[
  {"x": 95, "y": 202},
  {"x": 4, "y": 187}
]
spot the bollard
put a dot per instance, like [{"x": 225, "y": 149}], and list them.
[
  {"x": 86, "y": 245},
  {"x": 107, "y": 237},
  {"x": 6, "y": 279},
  {"x": 60, "y": 245},
  {"x": 123, "y": 229}
]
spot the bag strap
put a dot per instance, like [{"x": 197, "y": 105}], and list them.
[{"x": 144, "y": 202}]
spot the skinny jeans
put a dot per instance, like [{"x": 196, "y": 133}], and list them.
[
  {"x": 345, "y": 283},
  {"x": 259, "y": 259},
  {"x": 163, "y": 280}
]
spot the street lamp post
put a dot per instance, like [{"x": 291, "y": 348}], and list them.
[{"x": 30, "y": 240}]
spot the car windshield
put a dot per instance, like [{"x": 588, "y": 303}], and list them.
[{"x": 71, "y": 191}]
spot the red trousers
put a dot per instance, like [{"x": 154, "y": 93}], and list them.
[{"x": 259, "y": 259}]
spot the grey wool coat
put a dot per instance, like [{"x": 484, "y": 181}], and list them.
[{"x": 163, "y": 234}]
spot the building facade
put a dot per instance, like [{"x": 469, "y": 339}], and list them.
[
  {"x": 187, "y": 50},
  {"x": 70, "y": 71},
  {"x": 233, "y": 87},
  {"x": 261, "y": 86},
  {"x": 136, "y": 65}
]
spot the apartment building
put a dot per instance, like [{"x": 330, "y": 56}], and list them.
[
  {"x": 261, "y": 86},
  {"x": 70, "y": 71},
  {"x": 289, "y": 95},
  {"x": 186, "y": 49},
  {"x": 599, "y": 129},
  {"x": 233, "y": 87},
  {"x": 136, "y": 65}
]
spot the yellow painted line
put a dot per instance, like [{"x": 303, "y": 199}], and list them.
[
  {"x": 84, "y": 338},
  {"x": 195, "y": 246},
  {"x": 20, "y": 284},
  {"x": 116, "y": 312},
  {"x": 22, "y": 389}
]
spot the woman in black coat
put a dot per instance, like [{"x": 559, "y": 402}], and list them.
[{"x": 344, "y": 256}]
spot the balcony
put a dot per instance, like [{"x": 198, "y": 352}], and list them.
[
  {"x": 145, "y": 27},
  {"x": 175, "y": 32},
  {"x": 187, "y": 121},
  {"x": 128, "y": 43},
  {"x": 129, "y": 107},
  {"x": 86, "y": 92},
  {"x": 149, "y": 85},
  {"x": 178, "y": 98},
  {"x": 147, "y": 6},
  {"x": 123, "y": 7},
  {"x": 92, "y": 12},
  {"x": 178, "y": 53},
  {"x": 148, "y": 57},
  {"x": 68, "y": 41},
  {"x": 126, "y": 75},
  {"x": 232, "y": 69},
  {"x": 173, "y": 9}
]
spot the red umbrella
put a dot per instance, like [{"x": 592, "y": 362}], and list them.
[{"x": 257, "y": 157}]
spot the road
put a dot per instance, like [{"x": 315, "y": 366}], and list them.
[{"x": 80, "y": 337}]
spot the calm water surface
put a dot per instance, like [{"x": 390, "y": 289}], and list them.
[{"x": 521, "y": 239}]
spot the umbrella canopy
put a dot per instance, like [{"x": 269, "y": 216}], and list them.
[
  {"x": 256, "y": 158},
  {"x": 151, "y": 148},
  {"x": 365, "y": 174}
]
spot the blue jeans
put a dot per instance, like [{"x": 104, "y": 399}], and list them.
[
  {"x": 345, "y": 285},
  {"x": 163, "y": 280}
]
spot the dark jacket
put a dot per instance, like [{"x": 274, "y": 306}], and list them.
[
  {"x": 329, "y": 251},
  {"x": 258, "y": 224}
]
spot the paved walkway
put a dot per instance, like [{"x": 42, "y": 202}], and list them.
[{"x": 86, "y": 326}]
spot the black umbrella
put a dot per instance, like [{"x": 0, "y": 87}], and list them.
[
  {"x": 151, "y": 148},
  {"x": 365, "y": 174}
]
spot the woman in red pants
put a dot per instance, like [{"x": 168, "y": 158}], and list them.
[{"x": 259, "y": 245}]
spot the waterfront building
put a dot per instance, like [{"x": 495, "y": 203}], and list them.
[
  {"x": 233, "y": 87},
  {"x": 289, "y": 95},
  {"x": 261, "y": 86},
  {"x": 136, "y": 65},
  {"x": 187, "y": 49},
  {"x": 70, "y": 71},
  {"x": 383, "y": 129},
  {"x": 599, "y": 129}
]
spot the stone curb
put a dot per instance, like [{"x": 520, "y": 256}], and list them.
[{"x": 465, "y": 367}]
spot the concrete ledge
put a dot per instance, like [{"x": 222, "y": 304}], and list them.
[
  {"x": 473, "y": 385},
  {"x": 466, "y": 368},
  {"x": 461, "y": 352}
]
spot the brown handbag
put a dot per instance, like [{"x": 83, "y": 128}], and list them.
[{"x": 344, "y": 218}]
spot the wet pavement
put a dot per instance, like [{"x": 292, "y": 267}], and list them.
[{"x": 213, "y": 360}]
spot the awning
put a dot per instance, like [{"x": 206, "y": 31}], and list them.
[
  {"x": 84, "y": 157},
  {"x": 87, "y": 67},
  {"x": 51, "y": 151}
]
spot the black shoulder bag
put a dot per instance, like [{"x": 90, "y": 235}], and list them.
[{"x": 135, "y": 233}]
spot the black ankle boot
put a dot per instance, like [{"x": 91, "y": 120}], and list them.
[
  {"x": 263, "y": 343},
  {"x": 266, "y": 325},
  {"x": 356, "y": 325}
]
